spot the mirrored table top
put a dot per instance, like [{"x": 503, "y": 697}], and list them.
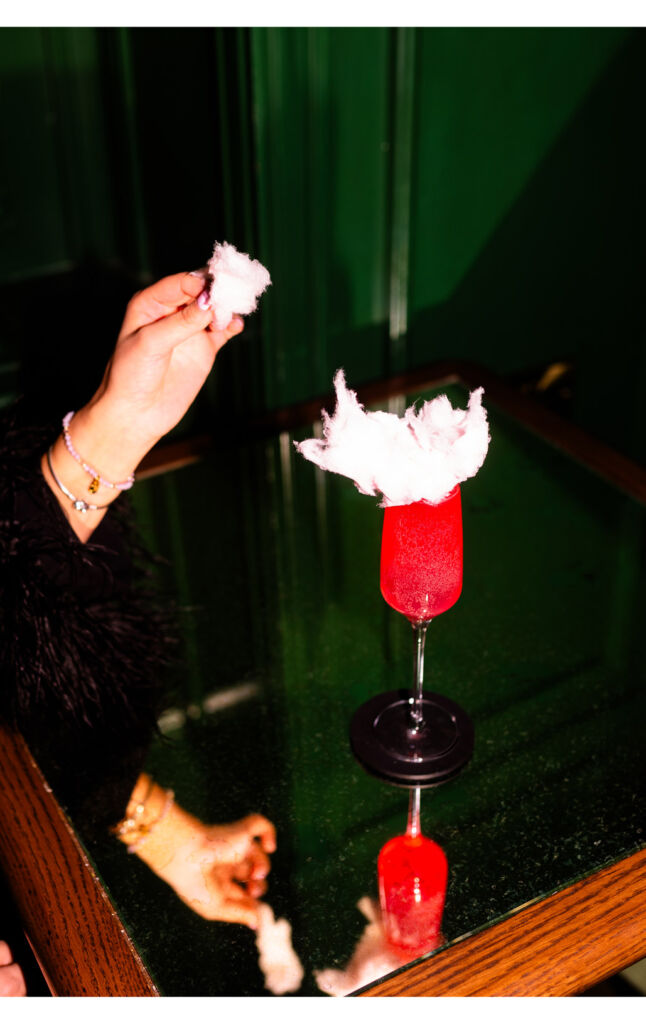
[{"x": 285, "y": 634}]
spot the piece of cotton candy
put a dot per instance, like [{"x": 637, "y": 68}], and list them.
[
  {"x": 279, "y": 963},
  {"x": 418, "y": 457},
  {"x": 237, "y": 283}
]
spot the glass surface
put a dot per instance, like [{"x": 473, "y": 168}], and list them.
[{"x": 276, "y": 565}]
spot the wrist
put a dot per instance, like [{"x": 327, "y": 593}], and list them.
[
  {"x": 104, "y": 435},
  {"x": 166, "y": 831},
  {"x": 148, "y": 811}
]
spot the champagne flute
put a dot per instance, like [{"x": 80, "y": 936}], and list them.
[
  {"x": 416, "y": 738},
  {"x": 412, "y": 871}
]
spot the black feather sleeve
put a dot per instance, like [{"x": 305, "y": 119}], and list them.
[{"x": 84, "y": 638}]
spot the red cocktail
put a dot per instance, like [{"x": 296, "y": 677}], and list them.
[
  {"x": 417, "y": 738},
  {"x": 421, "y": 557}
]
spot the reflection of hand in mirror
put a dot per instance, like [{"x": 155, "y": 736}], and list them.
[
  {"x": 12, "y": 982},
  {"x": 218, "y": 870}
]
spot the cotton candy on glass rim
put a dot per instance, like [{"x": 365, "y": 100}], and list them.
[
  {"x": 421, "y": 456},
  {"x": 237, "y": 283}
]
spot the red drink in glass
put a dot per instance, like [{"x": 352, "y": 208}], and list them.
[
  {"x": 417, "y": 738},
  {"x": 421, "y": 557},
  {"x": 412, "y": 873}
]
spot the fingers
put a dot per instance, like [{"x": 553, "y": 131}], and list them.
[
  {"x": 235, "y": 327},
  {"x": 162, "y": 298},
  {"x": 256, "y": 889},
  {"x": 163, "y": 335},
  {"x": 235, "y": 912},
  {"x": 12, "y": 982},
  {"x": 259, "y": 827},
  {"x": 234, "y": 905},
  {"x": 252, "y": 873},
  {"x": 260, "y": 865}
]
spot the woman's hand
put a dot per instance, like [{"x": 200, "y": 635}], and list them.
[{"x": 164, "y": 353}]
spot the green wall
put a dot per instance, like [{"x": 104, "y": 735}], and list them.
[{"x": 417, "y": 194}]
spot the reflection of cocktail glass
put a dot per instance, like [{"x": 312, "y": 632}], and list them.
[
  {"x": 417, "y": 738},
  {"x": 412, "y": 872}
]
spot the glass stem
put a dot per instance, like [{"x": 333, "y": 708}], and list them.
[
  {"x": 413, "y": 827},
  {"x": 416, "y": 712}
]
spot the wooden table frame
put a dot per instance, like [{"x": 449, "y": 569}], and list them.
[{"x": 557, "y": 946}]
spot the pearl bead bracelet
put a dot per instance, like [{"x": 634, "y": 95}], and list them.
[{"x": 97, "y": 479}]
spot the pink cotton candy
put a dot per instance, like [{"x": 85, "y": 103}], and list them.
[
  {"x": 418, "y": 457},
  {"x": 238, "y": 282}
]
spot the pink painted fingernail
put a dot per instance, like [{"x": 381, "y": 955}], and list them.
[{"x": 204, "y": 301}]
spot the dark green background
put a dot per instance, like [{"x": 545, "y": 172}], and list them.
[{"x": 416, "y": 194}]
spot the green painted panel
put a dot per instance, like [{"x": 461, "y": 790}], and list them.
[
  {"x": 321, "y": 103},
  {"x": 492, "y": 102},
  {"x": 437, "y": 193},
  {"x": 415, "y": 193},
  {"x": 529, "y": 240},
  {"x": 74, "y": 67},
  {"x": 54, "y": 176},
  {"x": 32, "y": 215}
]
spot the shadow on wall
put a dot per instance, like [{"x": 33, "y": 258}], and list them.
[{"x": 562, "y": 276}]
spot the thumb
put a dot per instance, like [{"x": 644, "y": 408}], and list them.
[{"x": 163, "y": 335}]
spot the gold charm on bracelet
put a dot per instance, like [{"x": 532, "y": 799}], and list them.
[{"x": 94, "y": 485}]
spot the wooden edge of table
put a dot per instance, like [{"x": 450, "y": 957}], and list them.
[
  {"x": 559, "y": 946},
  {"x": 73, "y": 929}
]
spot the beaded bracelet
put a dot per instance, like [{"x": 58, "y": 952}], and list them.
[{"x": 97, "y": 479}]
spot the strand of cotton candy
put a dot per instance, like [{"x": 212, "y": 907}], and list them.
[
  {"x": 372, "y": 957},
  {"x": 279, "y": 963},
  {"x": 418, "y": 457},
  {"x": 238, "y": 283}
]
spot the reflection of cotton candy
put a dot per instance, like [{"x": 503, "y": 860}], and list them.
[
  {"x": 281, "y": 967},
  {"x": 371, "y": 960},
  {"x": 238, "y": 281},
  {"x": 418, "y": 457}
]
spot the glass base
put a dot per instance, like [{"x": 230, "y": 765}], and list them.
[{"x": 386, "y": 744}]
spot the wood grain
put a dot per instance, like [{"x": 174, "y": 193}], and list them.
[
  {"x": 559, "y": 946},
  {"x": 73, "y": 928}
]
